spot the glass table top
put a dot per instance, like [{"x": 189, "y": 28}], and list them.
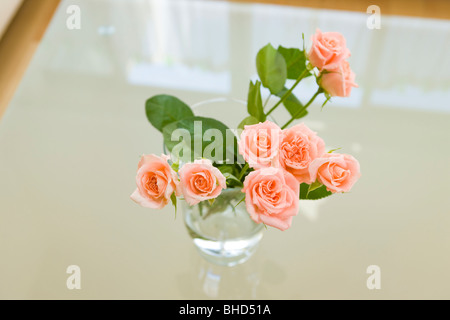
[{"x": 71, "y": 138}]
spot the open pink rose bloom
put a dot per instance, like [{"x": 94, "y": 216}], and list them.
[
  {"x": 156, "y": 182},
  {"x": 338, "y": 172},
  {"x": 272, "y": 197},
  {"x": 201, "y": 181},
  {"x": 328, "y": 50},
  {"x": 299, "y": 147}
]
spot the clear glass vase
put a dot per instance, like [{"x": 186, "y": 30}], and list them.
[{"x": 223, "y": 231}]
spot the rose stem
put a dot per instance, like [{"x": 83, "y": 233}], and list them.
[
  {"x": 243, "y": 171},
  {"x": 288, "y": 93},
  {"x": 299, "y": 112}
]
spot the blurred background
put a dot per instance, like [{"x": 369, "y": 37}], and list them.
[{"x": 73, "y": 126}]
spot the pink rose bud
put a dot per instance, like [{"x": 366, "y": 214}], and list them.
[
  {"x": 272, "y": 197},
  {"x": 156, "y": 182},
  {"x": 259, "y": 144},
  {"x": 339, "y": 82},
  {"x": 299, "y": 147},
  {"x": 201, "y": 181},
  {"x": 328, "y": 50},
  {"x": 338, "y": 172}
]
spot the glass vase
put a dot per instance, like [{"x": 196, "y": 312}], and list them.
[{"x": 223, "y": 231}]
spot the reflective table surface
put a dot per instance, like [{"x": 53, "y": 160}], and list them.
[{"x": 72, "y": 136}]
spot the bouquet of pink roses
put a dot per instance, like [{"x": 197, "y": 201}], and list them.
[{"x": 274, "y": 166}]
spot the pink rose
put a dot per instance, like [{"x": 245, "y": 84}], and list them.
[
  {"x": 201, "y": 181},
  {"x": 338, "y": 172},
  {"x": 260, "y": 143},
  {"x": 328, "y": 50},
  {"x": 156, "y": 182},
  {"x": 339, "y": 82},
  {"x": 272, "y": 197},
  {"x": 299, "y": 147}
]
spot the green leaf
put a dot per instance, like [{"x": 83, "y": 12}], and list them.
[
  {"x": 271, "y": 68},
  {"x": 317, "y": 193},
  {"x": 163, "y": 109},
  {"x": 175, "y": 166},
  {"x": 173, "y": 198},
  {"x": 247, "y": 122},
  {"x": 292, "y": 104},
  {"x": 313, "y": 186},
  {"x": 227, "y": 168},
  {"x": 200, "y": 137},
  {"x": 234, "y": 181},
  {"x": 295, "y": 61},
  {"x": 333, "y": 150},
  {"x": 230, "y": 172},
  {"x": 254, "y": 101}
]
